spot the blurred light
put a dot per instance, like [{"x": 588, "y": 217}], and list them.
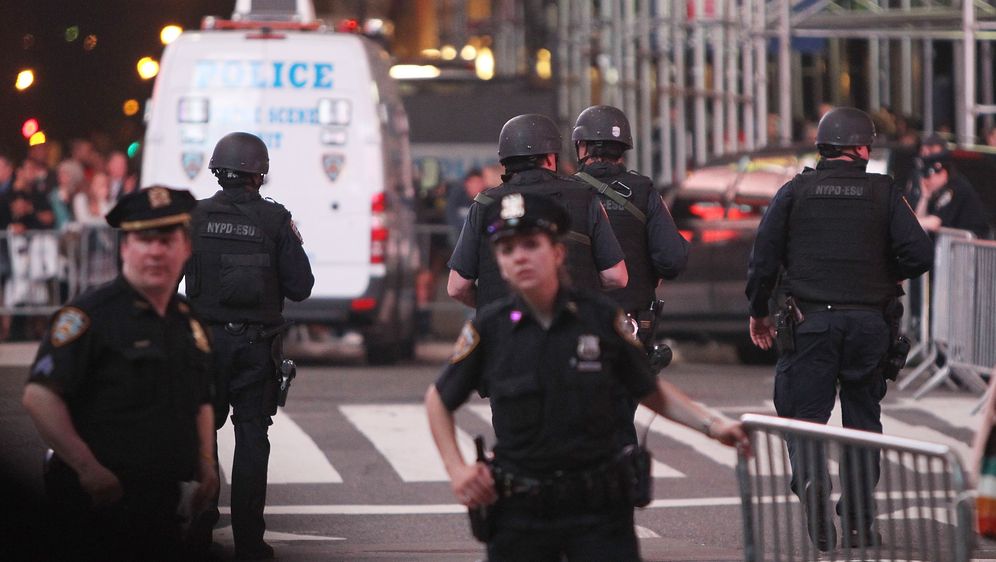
[
  {"x": 27, "y": 41},
  {"x": 484, "y": 66},
  {"x": 90, "y": 43},
  {"x": 373, "y": 26},
  {"x": 448, "y": 52},
  {"x": 25, "y": 79},
  {"x": 36, "y": 139},
  {"x": 414, "y": 71},
  {"x": 72, "y": 33},
  {"x": 147, "y": 68},
  {"x": 348, "y": 26},
  {"x": 430, "y": 53},
  {"x": 169, "y": 33},
  {"x": 543, "y": 67},
  {"x": 130, "y": 107},
  {"x": 133, "y": 149},
  {"x": 468, "y": 52},
  {"x": 29, "y": 128}
]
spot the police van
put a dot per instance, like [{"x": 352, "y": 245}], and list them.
[{"x": 337, "y": 135}]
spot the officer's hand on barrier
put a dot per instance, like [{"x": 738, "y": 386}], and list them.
[
  {"x": 731, "y": 433},
  {"x": 473, "y": 485},
  {"x": 101, "y": 485},
  {"x": 762, "y": 332}
]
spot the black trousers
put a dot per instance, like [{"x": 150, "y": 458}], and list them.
[
  {"x": 247, "y": 383},
  {"x": 523, "y": 535},
  {"x": 142, "y": 525},
  {"x": 836, "y": 351}
]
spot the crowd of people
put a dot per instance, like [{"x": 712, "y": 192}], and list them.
[{"x": 48, "y": 200}]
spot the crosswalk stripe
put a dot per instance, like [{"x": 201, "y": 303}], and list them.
[
  {"x": 716, "y": 451},
  {"x": 400, "y": 432},
  {"x": 657, "y": 468},
  {"x": 294, "y": 456},
  {"x": 956, "y": 411}
]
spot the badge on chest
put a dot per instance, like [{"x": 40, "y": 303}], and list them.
[{"x": 589, "y": 353}]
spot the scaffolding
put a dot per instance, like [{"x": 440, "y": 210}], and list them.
[{"x": 701, "y": 79}]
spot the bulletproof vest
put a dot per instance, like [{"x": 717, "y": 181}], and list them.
[
  {"x": 576, "y": 198},
  {"x": 839, "y": 249},
  {"x": 630, "y": 231},
  {"x": 232, "y": 274}
]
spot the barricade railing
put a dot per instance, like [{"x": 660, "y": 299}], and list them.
[
  {"x": 938, "y": 299},
  {"x": 922, "y": 506},
  {"x": 41, "y": 269},
  {"x": 435, "y": 244}
]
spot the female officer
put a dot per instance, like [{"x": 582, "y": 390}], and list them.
[{"x": 549, "y": 358}]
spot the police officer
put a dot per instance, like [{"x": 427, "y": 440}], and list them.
[
  {"x": 557, "y": 476},
  {"x": 247, "y": 257},
  {"x": 528, "y": 147},
  {"x": 947, "y": 199},
  {"x": 845, "y": 238},
  {"x": 641, "y": 221},
  {"x": 120, "y": 390}
]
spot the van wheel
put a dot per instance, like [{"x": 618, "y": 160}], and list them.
[
  {"x": 750, "y": 354},
  {"x": 382, "y": 352}
]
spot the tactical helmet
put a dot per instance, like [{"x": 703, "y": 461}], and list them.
[
  {"x": 240, "y": 152},
  {"x": 845, "y": 126},
  {"x": 603, "y": 123},
  {"x": 531, "y": 134}
]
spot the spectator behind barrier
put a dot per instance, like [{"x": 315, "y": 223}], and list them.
[{"x": 69, "y": 182}]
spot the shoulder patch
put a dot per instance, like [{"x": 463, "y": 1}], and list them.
[
  {"x": 296, "y": 231},
  {"x": 69, "y": 324},
  {"x": 200, "y": 338},
  {"x": 466, "y": 343},
  {"x": 625, "y": 329}
]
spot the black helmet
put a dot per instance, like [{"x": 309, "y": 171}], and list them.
[
  {"x": 240, "y": 152},
  {"x": 603, "y": 123},
  {"x": 531, "y": 134},
  {"x": 845, "y": 126}
]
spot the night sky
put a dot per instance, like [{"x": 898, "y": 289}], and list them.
[{"x": 77, "y": 91}]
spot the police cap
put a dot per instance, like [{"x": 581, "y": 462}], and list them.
[
  {"x": 152, "y": 207},
  {"x": 522, "y": 213},
  {"x": 845, "y": 126},
  {"x": 240, "y": 152}
]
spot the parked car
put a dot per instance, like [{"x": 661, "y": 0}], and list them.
[{"x": 718, "y": 209}]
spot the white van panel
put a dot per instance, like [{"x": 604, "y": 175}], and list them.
[{"x": 272, "y": 88}]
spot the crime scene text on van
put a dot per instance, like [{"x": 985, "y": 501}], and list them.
[
  {"x": 223, "y": 227},
  {"x": 242, "y": 74}
]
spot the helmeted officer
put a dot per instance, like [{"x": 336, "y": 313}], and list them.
[
  {"x": 641, "y": 221},
  {"x": 528, "y": 147},
  {"x": 845, "y": 238},
  {"x": 247, "y": 258},
  {"x": 121, "y": 391},
  {"x": 561, "y": 487}
]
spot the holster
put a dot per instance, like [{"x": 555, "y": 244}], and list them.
[
  {"x": 899, "y": 345},
  {"x": 786, "y": 319},
  {"x": 634, "y": 465},
  {"x": 481, "y": 522}
]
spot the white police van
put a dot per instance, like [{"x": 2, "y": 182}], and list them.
[{"x": 337, "y": 135}]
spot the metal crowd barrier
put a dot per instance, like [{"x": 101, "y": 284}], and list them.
[
  {"x": 948, "y": 320},
  {"x": 922, "y": 503},
  {"x": 42, "y": 269}
]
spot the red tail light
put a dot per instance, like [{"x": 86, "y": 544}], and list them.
[
  {"x": 378, "y": 232},
  {"x": 363, "y": 304}
]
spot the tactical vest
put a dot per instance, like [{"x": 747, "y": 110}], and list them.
[
  {"x": 839, "y": 249},
  {"x": 631, "y": 232},
  {"x": 232, "y": 274},
  {"x": 576, "y": 198}
]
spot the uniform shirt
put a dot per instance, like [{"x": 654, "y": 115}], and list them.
[
  {"x": 667, "y": 247},
  {"x": 911, "y": 248},
  {"x": 958, "y": 206},
  {"x": 553, "y": 391},
  {"x": 133, "y": 381},
  {"x": 604, "y": 247}
]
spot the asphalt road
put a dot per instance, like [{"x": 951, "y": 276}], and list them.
[{"x": 354, "y": 475}]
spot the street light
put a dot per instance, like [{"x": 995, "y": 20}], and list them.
[
  {"x": 130, "y": 107},
  {"x": 25, "y": 79},
  {"x": 169, "y": 33},
  {"x": 147, "y": 68}
]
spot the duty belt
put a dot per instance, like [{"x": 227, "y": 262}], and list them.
[
  {"x": 255, "y": 332},
  {"x": 563, "y": 491},
  {"x": 809, "y": 307}
]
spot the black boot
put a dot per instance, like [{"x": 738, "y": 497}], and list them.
[{"x": 819, "y": 525}]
